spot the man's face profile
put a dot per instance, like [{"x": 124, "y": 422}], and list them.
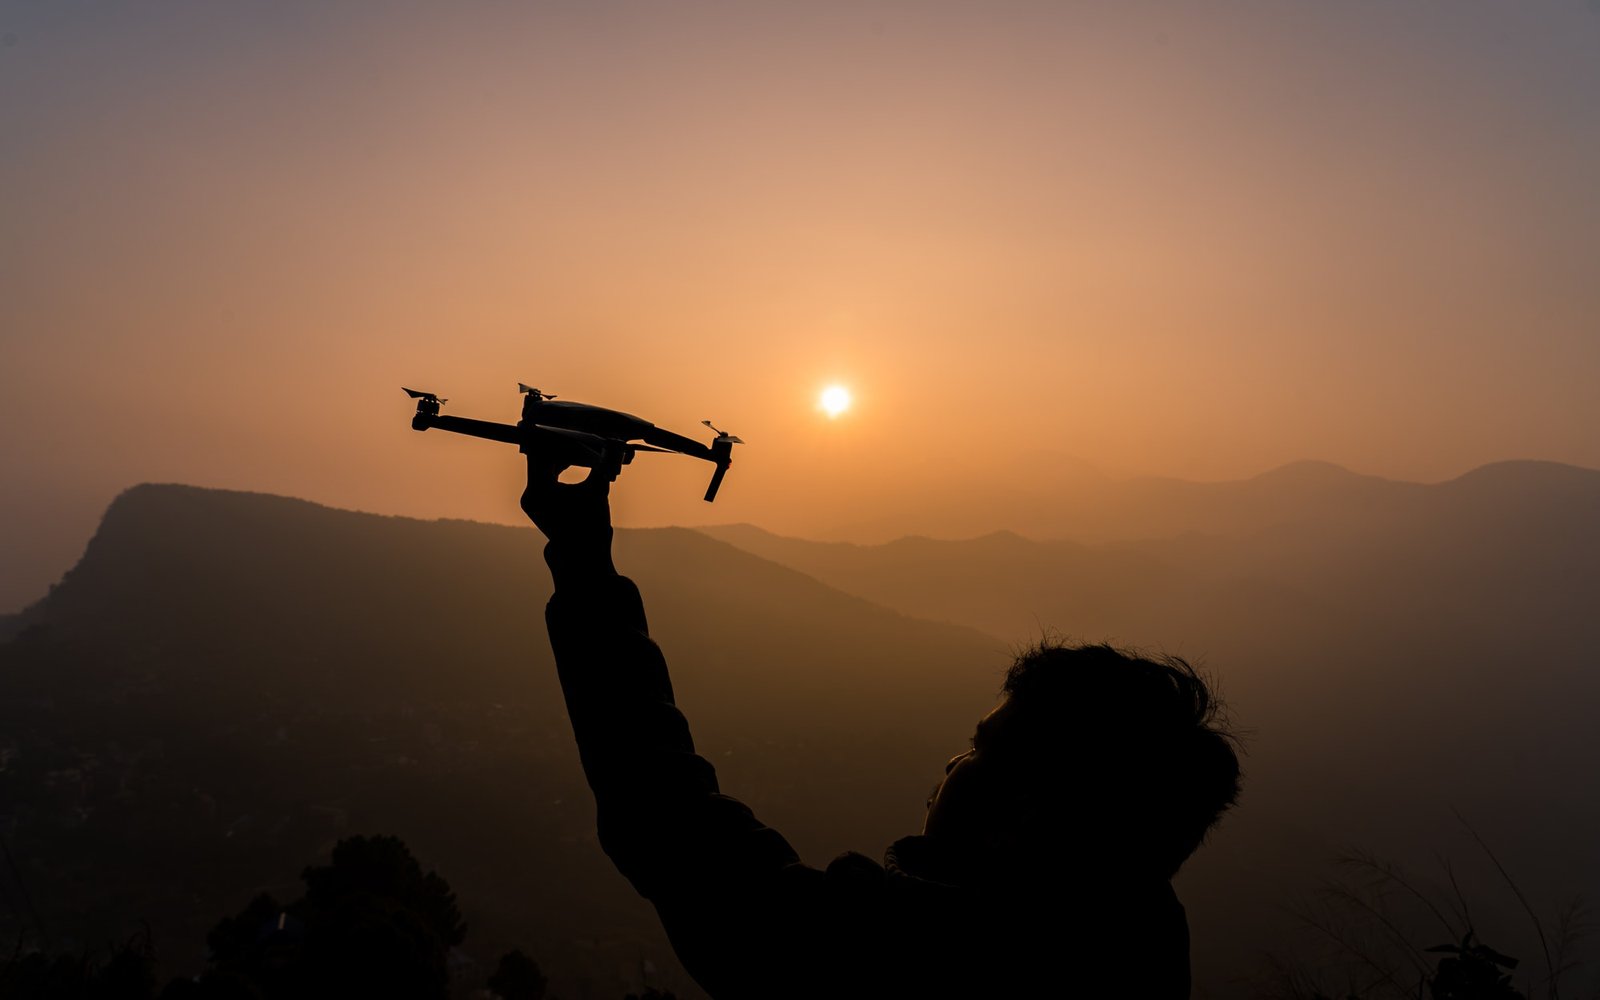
[{"x": 962, "y": 809}]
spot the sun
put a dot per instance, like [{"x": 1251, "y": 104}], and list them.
[{"x": 835, "y": 400}]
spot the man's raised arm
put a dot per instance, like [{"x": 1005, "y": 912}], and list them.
[{"x": 715, "y": 874}]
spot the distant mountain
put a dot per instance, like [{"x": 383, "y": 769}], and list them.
[
  {"x": 1521, "y": 533},
  {"x": 1043, "y": 502},
  {"x": 1398, "y": 650},
  {"x": 228, "y": 682}
]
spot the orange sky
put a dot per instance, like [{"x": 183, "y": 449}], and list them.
[{"x": 1199, "y": 239}]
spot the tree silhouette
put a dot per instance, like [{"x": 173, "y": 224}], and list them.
[
  {"x": 371, "y": 923},
  {"x": 128, "y": 973},
  {"x": 518, "y": 977},
  {"x": 384, "y": 867}
]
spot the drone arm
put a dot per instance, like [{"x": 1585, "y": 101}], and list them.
[
  {"x": 570, "y": 447},
  {"x": 676, "y": 442},
  {"x": 472, "y": 428}
]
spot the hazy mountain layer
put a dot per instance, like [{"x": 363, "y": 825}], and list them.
[
  {"x": 1056, "y": 497},
  {"x": 228, "y": 682},
  {"x": 1397, "y": 651}
]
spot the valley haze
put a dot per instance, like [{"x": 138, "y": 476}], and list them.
[{"x": 232, "y": 680}]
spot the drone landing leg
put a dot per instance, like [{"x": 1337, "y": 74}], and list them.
[{"x": 716, "y": 482}]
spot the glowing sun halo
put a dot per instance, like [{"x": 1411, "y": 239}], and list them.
[{"x": 835, "y": 400}]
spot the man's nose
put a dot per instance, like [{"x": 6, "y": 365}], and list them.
[{"x": 958, "y": 758}]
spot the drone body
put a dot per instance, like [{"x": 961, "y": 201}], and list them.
[{"x": 579, "y": 433}]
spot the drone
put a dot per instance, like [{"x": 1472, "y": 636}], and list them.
[{"x": 579, "y": 433}]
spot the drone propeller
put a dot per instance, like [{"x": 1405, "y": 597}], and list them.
[
  {"x": 723, "y": 435},
  {"x": 529, "y": 390},
  {"x": 414, "y": 394}
]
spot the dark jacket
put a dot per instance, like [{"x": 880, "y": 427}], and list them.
[{"x": 748, "y": 919}]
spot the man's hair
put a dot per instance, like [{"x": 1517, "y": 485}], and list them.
[{"x": 1142, "y": 742}]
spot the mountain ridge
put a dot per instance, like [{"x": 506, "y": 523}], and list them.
[
  {"x": 228, "y": 681},
  {"x": 1048, "y": 511},
  {"x": 1147, "y": 504}
]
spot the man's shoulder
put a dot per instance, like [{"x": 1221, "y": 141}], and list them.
[
  {"x": 852, "y": 868},
  {"x": 872, "y": 900}
]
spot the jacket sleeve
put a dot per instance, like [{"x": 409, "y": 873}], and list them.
[
  {"x": 744, "y": 915},
  {"x": 662, "y": 818}
]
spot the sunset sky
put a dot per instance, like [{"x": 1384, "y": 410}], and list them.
[{"x": 1198, "y": 239}]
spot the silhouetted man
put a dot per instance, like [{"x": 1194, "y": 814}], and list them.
[{"x": 1044, "y": 867}]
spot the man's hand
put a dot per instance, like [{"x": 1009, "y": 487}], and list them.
[{"x": 576, "y": 517}]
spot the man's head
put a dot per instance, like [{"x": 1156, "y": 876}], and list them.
[{"x": 1093, "y": 750}]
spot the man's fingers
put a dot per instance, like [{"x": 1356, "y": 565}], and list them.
[
  {"x": 597, "y": 481},
  {"x": 544, "y": 471}
]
